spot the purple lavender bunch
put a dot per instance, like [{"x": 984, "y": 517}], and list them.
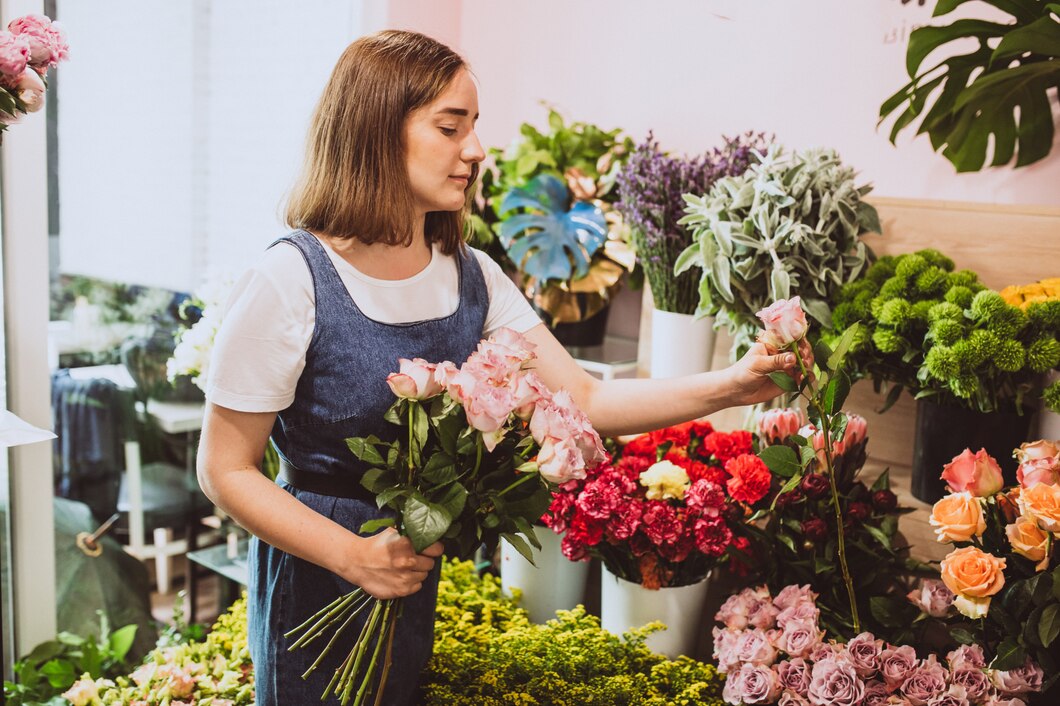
[{"x": 651, "y": 188}]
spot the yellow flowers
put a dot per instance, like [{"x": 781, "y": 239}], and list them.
[{"x": 1025, "y": 295}]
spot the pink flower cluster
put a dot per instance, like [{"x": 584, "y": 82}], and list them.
[
  {"x": 499, "y": 394},
  {"x": 772, "y": 651},
  {"x": 28, "y": 47},
  {"x": 662, "y": 523}
]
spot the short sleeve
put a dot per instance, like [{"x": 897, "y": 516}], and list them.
[
  {"x": 508, "y": 307},
  {"x": 260, "y": 349}
]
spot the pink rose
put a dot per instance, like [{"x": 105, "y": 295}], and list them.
[
  {"x": 47, "y": 42},
  {"x": 955, "y": 695},
  {"x": 799, "y": 638},
  {"x": 1002, "y": 701},
  {"x": 1039, "y": 470},
  {"x": 525, "y": 395},
  {"x": 758, "y": 684},
  {"x": 794, "y": 594},
  {"x": 897, "y": 664},
  {"x": 1023, "y": 679},
  {"x": 732, "y": 692},
  {"x": 488, "y": 407},
  {"x": 754, "y": 646},
  {"x": 1032, "y": 451},
  {"x": 790, "y": 698},
  {"x": 560, "y": 461},
  {"x": 785, "y": 323},
  {"x": 925, "y": 682},
  {"x": 519, "y": 344},
  {"x": 31, "y": 90},
  {"x": 763, "y": 614},
  {"x": 966, "y": 656},
  {"x": 775, "y": 425},
  {"x": 864, "y": 653},
  {"x": 974, "y": 680},
  {"x": 805, "y": 612},
  {"x": 794, "y": 674},
  {"x": 835, "y": 683},
  {"x": 735, "y": 610},
  {"x": 14, "y": 57},
  {"x": 976, "y": 473},
  {"x": 933, "y": 597},
  {"x": 876, "y": 694},
  {"x": 415, "y": 380},
  {"x": 725, "y": 649}
]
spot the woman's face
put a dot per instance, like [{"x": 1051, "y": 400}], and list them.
[{"x": 441, "y": 146}]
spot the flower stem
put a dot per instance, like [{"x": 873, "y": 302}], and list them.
[
  {"x": 826, "y": 432},
  {"x": 412, "y": 424},
  {"x": 526, "y": 477}
]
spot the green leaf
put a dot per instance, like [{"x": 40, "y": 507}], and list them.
[
  {"x": 1056, "y": 583},
  {"x": 520, "y": 546},
  {"x": 453, "y": 499},
  {"x": 878, "y": 534},
  {"x": 836, "y": 393},
  {"x": 784, "y": 381},
  {"x": 963, "y": 636},
  {"x": 373, "y": 480},
  {"x": 1049, "y": 625},
  {"x": 372, "y": 526},
  {"x": 424, "y": 522},
  {"x": 780, "y": 460},
  {"x": 383, "y": 498},
  {"x": 883, "y": 482},
  {"x": 364, "y": 449},
  {"x": 1009, "y": 655},
  {"x": 419, "y": 425},
  {"x": 924, "y": 40},
  {"x": 121, "y": 640},
  {"x": 59, "y": 673},
  {"x": 687, "y": 259},
  {"x": 787, "y": 487},
  {"x": 787, "y": 540},
  {"x": 842, "y": 346},
  {"x": 439, "y": 469},
  {"x": 1039, "y": 37}
]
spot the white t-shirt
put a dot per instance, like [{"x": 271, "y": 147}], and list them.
[{"x": 260, "y": 349}]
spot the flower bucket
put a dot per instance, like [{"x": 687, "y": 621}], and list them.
[
  {"x": 1049, "y": 421},
  {"x": 556, "y": 583},
  {"x": 681, "y": 344},
  {"x": 943, "y": 432},
  {"x": 625, "y": 605}
]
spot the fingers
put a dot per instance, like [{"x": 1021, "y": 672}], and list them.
[{"x": 434, "y": 550}]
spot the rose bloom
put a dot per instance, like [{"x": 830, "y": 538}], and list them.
[
  {"x": 794, "y": 594},
  {"x": 414, "y": 380},
  {"x": 897, "y": 664},
  {"x": 974, "y": 576},
  {"x": 864, "y": 653},
  {"x": 974, "y": 680},
  {"x": 955, "y": 695},
  {"x": 814, "y": 484},
  {"x": 794, "y": 674},
  {"x": 876, "y": 694},
  {"x": 750, "y": 478},
  {"x": 1023, "y": 679},
  {"x": 785, "y": 323},
  {"x": 925, "y": 682},
  {"x": 664, "y": 480},
  {"x": 46, "y": 40},
  {"x": 790, "y": 698},
  {"x": 1042, "y": 501},
  {"x": 1002, "y": 701},
  {"x": 754, "y": 646},
  {"x": 967, "y": 656},
  {"x": 776, "y": 425},
  {"x": 933, "y": 597},
  {"x": 804, "y": 611},
  {"x": 834, "y": 682},
  {"x": 958, "y": 517},
  {"x": 758, "y": 684},
  {"x": 1039, "y": 470},
  {"x": 1037, "y": 450},
  {"x": 799, "y": 638},
  {"x": 1030, "y": 541},
  {"x": 977, "y": 473}
]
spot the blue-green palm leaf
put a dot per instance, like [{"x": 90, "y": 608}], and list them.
[{"x": 547, "y": 241}]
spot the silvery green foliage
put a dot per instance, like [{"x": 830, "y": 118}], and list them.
[{"x": 788, "y": 225}]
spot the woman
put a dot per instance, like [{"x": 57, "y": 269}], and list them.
[{"x": 376, "y": 270}]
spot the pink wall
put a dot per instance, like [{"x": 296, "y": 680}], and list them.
[{"x": 812, "y": 72}]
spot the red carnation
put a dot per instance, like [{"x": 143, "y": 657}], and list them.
[
  {"x": 625, "y": 521},
  {"x": 643, "y": 445},
  {"x": 573, "y": 550},
  {"x": 705, "y": 498},
  {"x": 678, "y": 550},
  {"x": 599, "y": 499},
  {"x": 585, "y": 530},
  {"x": 750, "y": 478},
  {"x": 726, "y": 447},
  {"x": 713, "y": 536},
  {"x": 632, "y": 466},
  {"x": 559, "y": 512},
  {"x": 660, "y": 522}
]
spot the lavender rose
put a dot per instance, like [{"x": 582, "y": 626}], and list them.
[
  {"x": 725, "y": 649},
  {"x": 876, "y": 694},
  {"x": 794, "y": 675},
  {"x": 758, "y": 684},
  {"x": 799, "y": 638},
  {"x": 790, "y": 595},
  {"x": 926, "y": 682},
  {"x": 897, "y": 664},
  {"x": 1025, "y": 678},
  {"x": 834, "y": 682},
  {"x": 864, "y": 652},
  {"x": 733, "y": 690},
  {"x": 933, "y": 597}
]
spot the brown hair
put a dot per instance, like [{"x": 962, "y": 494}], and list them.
[{"x": 354, "y": 182}]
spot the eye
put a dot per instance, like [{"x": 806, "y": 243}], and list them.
[{"x": 448, "y": 131}]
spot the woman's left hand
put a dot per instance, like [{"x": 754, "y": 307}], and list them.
[{"x": 751, "y": 373}]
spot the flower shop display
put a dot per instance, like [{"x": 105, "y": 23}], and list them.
[
  {"x": 552, "y": 198},
  {"x": 791, "y": 223},
  {"x": 29, "y": 46},
  {"x": 772, "y": 651},
  {"x": 1003, "y": 570},
  {"x": 969, "y": 100},
  {"x": 973, "y": 361},
  {"x": 552, "y": 582},
  {"x": 651, "y": 188},
  {"x": 474, "y": 455}
]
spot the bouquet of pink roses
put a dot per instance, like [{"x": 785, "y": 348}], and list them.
[
  {"x": 479, "y": 449},
  {"x": 28, "y": 48}
]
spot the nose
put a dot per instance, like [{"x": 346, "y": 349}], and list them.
[{"x": 472, "y": 149}]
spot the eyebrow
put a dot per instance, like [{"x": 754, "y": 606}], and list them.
[{"x": 456, "y": 111}]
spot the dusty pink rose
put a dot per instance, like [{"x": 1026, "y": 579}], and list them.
[
  {"x": 775, "y": 425},
  {"x": 1034, "y": 450},
  {"x": 560, "y": 461},
  {"x": 825, "y": 650},
  {"x": 974, "y": 680},
  {"x": 1039, "y": 470},
  {"x": 864, "y": 653},
  {"x": 955, "y": 695},
  {"x": 525, "y": 394},
  {"x": 790, "y": 698},
  {"x": 754, "y": 646},
  {"x": 758, "y": 684},
  {"x": 833, "y": 682},
  {"x": 793, "y": 594},
  {"x": 1004, "y": 701},
  {"x": 763, "y": 615},
  {"x": 517, "y": 343},
  {"x": 46, "y": 39},
  {"x": 14, "y": 57},
  {"x": 1023, "y": 679},
  {"x": 925, "y": 682},
  {"x": 876, "y": 694},
  {"x": 488, "y": 408},
  {"x": 897, "y": 664},
  {"x": 933, "y": 597},
  {"x": 794, "y": 675},
  {"x": 785, "y": 323},
  {"x": 735, "y": 610},
  {"x": 415, "y": 379},
  {"x": 799, "y": 638},
  {"x": 806, "y": 612},
  {"x": 725, "y": 649},
  {"x": 733, "y": 691},
  {"x": 966, "y": 656},
  {"x": 976, "y": 473}
]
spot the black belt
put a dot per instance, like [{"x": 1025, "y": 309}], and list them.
[{"x": 344, "y": 486}]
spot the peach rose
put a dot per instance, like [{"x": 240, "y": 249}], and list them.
[
  {"x": 1042, "y": 502},
  {"x": 1038, "y": 449},
  {"x": 974, "y": 576},
  {"x": 958, "y": 517},
  {"x": 1029, "y": 540},
  {"x": 977, "y": 473},
  {"x": 1039, "y": 470}
]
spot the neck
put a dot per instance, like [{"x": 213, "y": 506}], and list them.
[{"x": 381, "y": 260}]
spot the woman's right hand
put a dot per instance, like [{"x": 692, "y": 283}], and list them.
[{"x": 386, "y": 565}]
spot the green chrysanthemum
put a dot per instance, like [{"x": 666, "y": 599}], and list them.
[
  {"x": 910, "y": 266},
  {"x": 965, "y": 278},
  {"x": 1043, "y": 354},
  {"x": 896, "y": 313},
  {"x": 888, "y": 341},
  {"x": 946, "y": 332},
  {"x": 965, "y": 386},
  {"x": 921, "y": 310},
  {"x": 1051, "y": 397},
  {"x": 931, "y": 282},
  {"x": 1009, "y": 356},
  {"x": 959, "y": 296},
  {"x": 936, "y": 259},
  {"x": 969, "y": 356},
  {"x": 942, "y": 363},
  {"x": 986, "y": 304},
  {"x": 1045, "y": 316},
  {"x": 945, "y": 310},
  {"x": 881, "y": 270},
  {"x": 1007, "y": 323},
  {"x": 894, "y": 287}
]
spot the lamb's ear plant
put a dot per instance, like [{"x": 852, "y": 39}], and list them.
[{"x": 791, "y": 223}]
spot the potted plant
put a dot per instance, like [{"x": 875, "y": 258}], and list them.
[
  {"x": 790, "y": 223},
  {"x": 651, "y": 188},
  {"x": 971, "y": 360},
  {"x": 552, "y": 197}
]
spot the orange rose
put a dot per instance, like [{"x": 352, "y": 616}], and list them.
[
  {"x": 974, "y": 576},
  {"x": 958, "y": 517},
  {"x": 1042, "y": 502},
  {"x": 1029, "y": 540},
  {"x": 1036, "y": 450}
]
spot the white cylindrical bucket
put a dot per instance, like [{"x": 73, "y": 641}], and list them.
[
  {"x": 680, "y": 344},
  {"x": 556, "y": 583},
  {"x": 625, "y": 605}
]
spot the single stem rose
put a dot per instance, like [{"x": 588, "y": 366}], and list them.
[
  {"x": 826, "y": 431},
  {"x": 412, "y": 423}
]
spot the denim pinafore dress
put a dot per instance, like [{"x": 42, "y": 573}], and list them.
[{"x": 343, "y": 393}]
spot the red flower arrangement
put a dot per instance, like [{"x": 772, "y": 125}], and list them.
[{"x": 669, "y": 510}]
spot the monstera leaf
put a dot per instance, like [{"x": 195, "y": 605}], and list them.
[
  {"x": 1000, "y": 89},
  {"x": 547, "y": 241}
]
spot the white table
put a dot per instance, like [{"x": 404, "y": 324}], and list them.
[{"x": 614, "y": 356}]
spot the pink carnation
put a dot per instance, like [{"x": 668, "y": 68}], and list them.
[
  {"x": 47, "y": 42},
  {"x": 705, "y": 498}
]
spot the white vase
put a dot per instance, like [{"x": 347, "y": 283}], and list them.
[
  {"x": 625, "y": 605},
  {"x": 1049, "y": 421},
  {"x": 681, "y": 344},
  {"x": 556, "y": 583}
]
